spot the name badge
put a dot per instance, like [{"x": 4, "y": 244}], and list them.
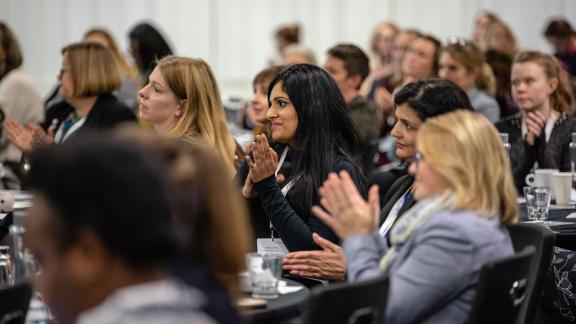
[{"x": 269, "y": 246}]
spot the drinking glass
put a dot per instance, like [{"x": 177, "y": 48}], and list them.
[
  {"x": 542, "y": 202},
  {"x": 529, "y": 196},
  {"x": 265, "y": 271}
]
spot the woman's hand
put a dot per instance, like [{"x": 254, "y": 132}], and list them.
[
  {"x": 39, "y": 136},
  {"x": 327, "y": 263},
  {"x": 384, "y": 100},
  {"x": 535, "y": 123},
  {"x": 265, "y": 160},
  {"x": 347, "y": 212},
  {"x": 20, "y": 136}
]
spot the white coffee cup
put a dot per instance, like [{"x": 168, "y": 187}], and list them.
[
  {"x": 6, "y": 202},
  {"x": 562, "y": 185},
  {"x": 541, "y": 178}
]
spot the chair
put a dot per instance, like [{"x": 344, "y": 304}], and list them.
[
  {"x": 502, "y": 289},
  {"x": 362, "y": 302},
  {"x": 542, "y": 239},
  {"x": 15, "y": 303}
]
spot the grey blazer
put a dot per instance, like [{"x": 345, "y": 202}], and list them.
[{"x": 434, "y": 274}]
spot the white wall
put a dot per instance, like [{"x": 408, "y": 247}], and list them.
[{"x": 235, "y": 36}]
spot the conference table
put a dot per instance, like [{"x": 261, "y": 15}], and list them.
[{"x": 561, "y": 220}]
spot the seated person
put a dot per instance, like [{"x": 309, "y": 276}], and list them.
[
  {"x": 438, "y": 247},
  {"x": 349, "y": 66},
  {"x": 540, "y": 134},
  {"x": 101, "y": 232},
  {"x": 415, "y": 103}
]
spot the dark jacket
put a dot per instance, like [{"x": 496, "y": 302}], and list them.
[
  {"x": 396, "y": 191},
  {"x": 554, "y": 154}
]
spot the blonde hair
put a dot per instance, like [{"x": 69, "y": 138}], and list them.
[
  {"x": 464, "y": 147},
  {"x": 203, "y": 116},
  {"x": 508, "y": 34},
  {"x": 561, "y": 99},
  {"x": 376, "y": 35},
  {"x": 472, "y": 58},
  {"x": 124, "y": 67},
  {"x": 92, "y": 68}
]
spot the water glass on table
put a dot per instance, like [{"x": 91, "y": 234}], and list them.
[
  {"x": 265, "y": 272},
  {"x": 537, "y": 202}
]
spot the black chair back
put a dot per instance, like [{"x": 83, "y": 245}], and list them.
[
  {"x": 542, "y": 239},
  {"x": 362, "y": 302},
  {"x": 14, "y": 303},
  {"x": 502, "y": 289}
]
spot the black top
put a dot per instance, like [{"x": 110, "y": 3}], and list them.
[
  {"x": 554, "y": 154},
  {"x": 396, "y": 191},
  {"x": 218, "y": 304},
  {"x": 106, "y": 113},
  {"x": 295, "y": 228}
]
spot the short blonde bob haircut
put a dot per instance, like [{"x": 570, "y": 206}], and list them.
[
  {"x": 203, "y": 116},
  {"x": 465, "y": 148},
  {"x": 92, "y": 68}
]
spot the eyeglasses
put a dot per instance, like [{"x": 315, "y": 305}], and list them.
[{"x": 417, "y": 158}]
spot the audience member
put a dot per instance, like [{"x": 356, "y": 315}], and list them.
[
  {"x": 415, "y": 103},
  {"x": 540, "y": 133},
  {"x": 20, "y": 99},
  {"x": 128, "y": 92},
  {"x": 483, "y": 19},
  {"x": 501, "y": 65},
  {"x": 87, "y": 79},
  {"x": 284, "y": 36},
  {"x": 560, "y": 34},
  {"x": 147, "y": 46},
  {"x": 298, "y": 54},
  {"x": 381, "y": 48},
  {"x": 500, "y": 38},
  {"x": 182, "y": 100},
  {"x": 101, "y": 231},
  {"x": 462, "y": 62},
  {"x": 315, "y": 136},
  {"x": 256, "y": 112},
  {"x": 437, "y": 249},
  {"x": 349, "y": 66}
]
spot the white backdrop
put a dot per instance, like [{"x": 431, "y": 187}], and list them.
[{"x": 235, "y": 36}]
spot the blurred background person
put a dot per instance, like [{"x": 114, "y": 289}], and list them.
[
  {"x": 255, "y": 117},
  {"x": 463, "y": 63},
  {"x": 483, "y": 19},
  {"x": 560, "y": 34},
  {"x": 147, "y": 46},
  {"x": 20, "y": 99},
  {"x": 541, "y": 132},
  {"x": 128, "y": 92},
  {"x": 283, "y": 37},
  {"x": 299, "y": 54},
  {"x": 381, "y": 46},
  {"x": 182, "y": 100},
  {"x": 500, "y": 38},
  {"x": 349, "y": 66}
]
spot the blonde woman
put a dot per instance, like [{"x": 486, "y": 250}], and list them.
[
  {"x": 181, "y": 100},
  {"x": 500, "y": 38},
  {"x": 462, "y": 62},
  {"x": 88, "y": 77},
  {"x": 465, "y": 194}
]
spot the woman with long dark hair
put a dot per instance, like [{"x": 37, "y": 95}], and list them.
[{"x": 314, "y": 136}]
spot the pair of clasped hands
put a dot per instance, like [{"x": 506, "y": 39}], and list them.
[
  {"x": 535, "y": 122},
  {"x": 29, "y": 136},
  {"x": 343, "y": 209}
]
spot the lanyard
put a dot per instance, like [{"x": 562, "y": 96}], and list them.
[{"x": 286, "y": 188}]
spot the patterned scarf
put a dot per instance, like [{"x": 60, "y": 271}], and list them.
[{"x": 410, "y": 222}]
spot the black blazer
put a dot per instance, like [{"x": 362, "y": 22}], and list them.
[
  {"x": 107, "y": 112},
  {"x": 398, "y": 188}
]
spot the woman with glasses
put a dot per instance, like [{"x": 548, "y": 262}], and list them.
[
  {"x": 438, "y": 247},
  {"x": 462, "y": 62},
  {"x": 87, "y": 78},
  {"x": 415, "y": 103}
]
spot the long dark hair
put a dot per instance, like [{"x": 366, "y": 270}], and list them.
[
  {"x": 325, "y": 135},
  {"x": 151, "y": 47}
]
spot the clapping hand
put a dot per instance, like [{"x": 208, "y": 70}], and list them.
[
  {"x": 345, "y": 211},
  {"x": 535, "y": 123},
  {"x": 264, "y": 162}
]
